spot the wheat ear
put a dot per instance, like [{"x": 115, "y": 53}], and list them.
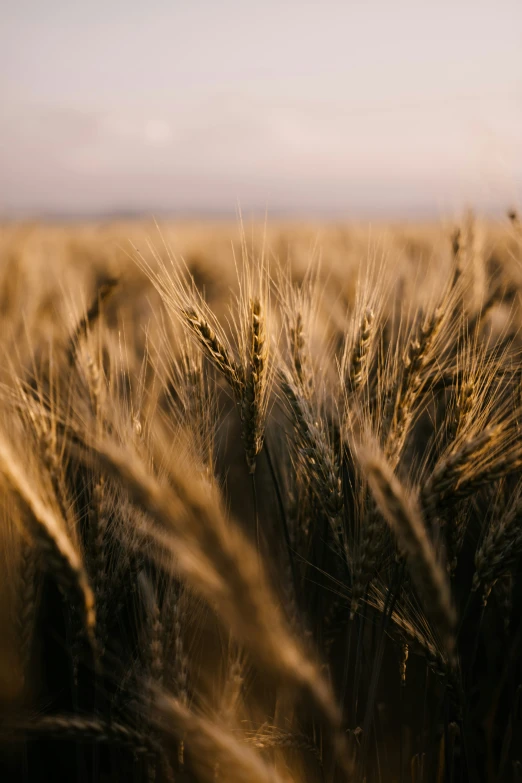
[
  {"x": 500, "y": 549},
  {"x": 366, "y": 559},
  {"x": 450, "y": 469},
  {"x": 404, "y": 518},
  {"x": 89, "y": 729},
  {"x": 49, "y": 536},
  {"x": 417, "y": 356},
  {"x": 357, "y": 365},
  {"x": 215, "y": 350},
  {"x": 105, "y": 290},
  {"x": 318, "y": 455},
  {"x": 253, "y": 399}
]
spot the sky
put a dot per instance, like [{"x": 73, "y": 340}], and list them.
[{"x": 341, "y": 107}]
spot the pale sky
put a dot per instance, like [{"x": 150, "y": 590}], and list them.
[{"x": 340, "y": 107}]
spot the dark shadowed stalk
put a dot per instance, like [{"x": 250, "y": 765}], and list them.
[
  {"x": 389, "y": 604},
  {"x": 282, "y": 513},
  {"x": 27, "y": 605}
]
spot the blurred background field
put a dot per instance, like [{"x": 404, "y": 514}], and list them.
[{"x": 59, "y": 265}]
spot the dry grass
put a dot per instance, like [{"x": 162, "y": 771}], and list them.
[{"x": 260, "y": 503}]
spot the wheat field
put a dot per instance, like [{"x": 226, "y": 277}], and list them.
[{"x": 261, "y": 502}]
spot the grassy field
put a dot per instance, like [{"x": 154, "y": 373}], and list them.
[{"x": 261, "y": 502}]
